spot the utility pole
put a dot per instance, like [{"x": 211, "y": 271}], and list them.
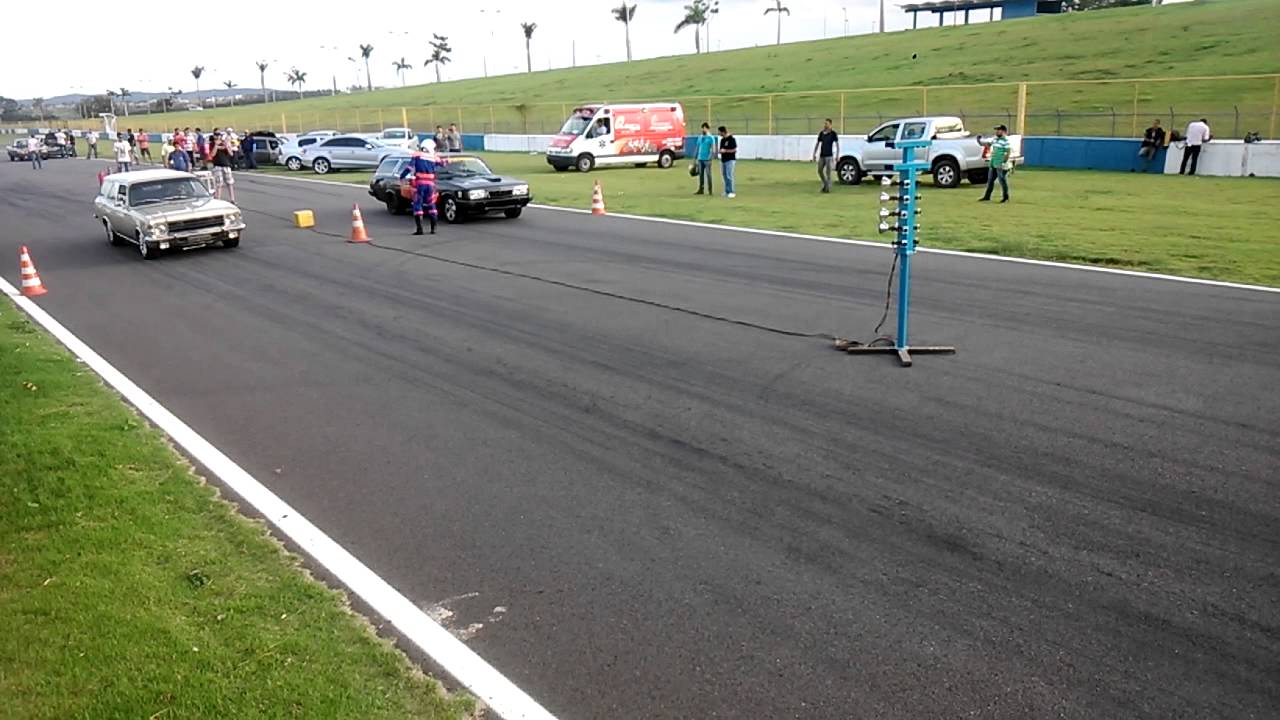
[{"x": 881, "y": 15}]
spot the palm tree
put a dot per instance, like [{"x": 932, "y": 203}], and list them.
[
  {"x": 296, "y": 77},
  {"x": 439, "y": 53},
  {"x": 624, "y": 14},
  {"x": 231, "y": 85},
  {"x": 111, "y": 98},
  {"x": 695, "y": 16},
  {"x": 401, "y": 67},
  {"x": 779, "y": 8},
  {"x": 528, "y": 38},
  {"x": 196, "y": 72},
  {"x": 365, "y": 52},
  {"x": 262, "y": 77},
  {"x": 124, "y": 100},
  {"x": 38, "y": 105}
]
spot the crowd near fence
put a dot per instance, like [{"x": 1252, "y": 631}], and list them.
[{"x": 1120, "y": 108}]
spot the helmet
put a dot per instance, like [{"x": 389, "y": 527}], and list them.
[{"x": 428, "y": 145}]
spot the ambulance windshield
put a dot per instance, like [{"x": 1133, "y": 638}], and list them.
[{"x": 578, "y": 122}]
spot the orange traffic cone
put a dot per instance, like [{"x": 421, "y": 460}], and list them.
[
  {"x": 597, "y": 200},
  {"x": 31, "y": 285},
  {"x": 358, "y": 235}
]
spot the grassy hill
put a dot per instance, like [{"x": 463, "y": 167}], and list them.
[{"x": 1206, "y": 38}]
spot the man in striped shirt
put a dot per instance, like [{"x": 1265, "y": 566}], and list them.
[{"x": 999, "y": 166}]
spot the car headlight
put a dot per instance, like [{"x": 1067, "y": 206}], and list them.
[
  {"x": 233, "y": 219},
  {"x": 520, "y": 190},
  {"x": 158, "y": 227},
  {"x": 477, "y": 194}
]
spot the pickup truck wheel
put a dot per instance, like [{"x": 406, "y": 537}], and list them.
[
  {"x": 585, "y": 162},
  {"x": 946, "y": 173},
  {"x": 512, "y": 213},
  {"x": 848, "y": 171},
  {"x": 978, "y": 177},
  {"x": 666, "y": 159},
  {"x": 146, "y": 249},
  {"x": 293, "y": 163},
  {"x": 112, "y": 237},
  {"x": 450, "y": 210},
  {"x": 321, "y": 166}
]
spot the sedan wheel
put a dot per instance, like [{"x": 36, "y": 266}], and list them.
[
  {"x": 321, "y": 166},
  {"x": 112, "y": 237},
  {"x": 450, "y": 209},
  {"x": 147, "y": 250},
  {"x": 293, "y": 163}
]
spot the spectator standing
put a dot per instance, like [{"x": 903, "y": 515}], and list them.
[
  {"x": 166, "y": 152},
  {"x": 71, "y": 141},
  {"x": 33, "y": 149},
  {"x": 825, "y": 151},
  {"x": 998, "y": 168},
  {"x": 441, "y": 140},
  {"x": 706, "y": 153},
  {"x": 222, "y": 158},
  {"x": 144, "y": 146},
  {"x": 60, "y": 138},
  {"x": 133, "y": 144},
  {"x": 1152, "y": 141},
  {"x": 179, "y": 160},
  {"x": 124, "y": 153},
  {"x": 246, "y": 146},
  {"x": 188, "y": 145},
  {"x": 201, "y": 159},
  {"x": 728, "y": 161},
  {"x": 1198, "y": 134},
  {"x": 92, "y": 141},
  {"x": 455, "y": 139}
]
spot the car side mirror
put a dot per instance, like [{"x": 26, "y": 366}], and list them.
[{"x": 367, "y": 146}]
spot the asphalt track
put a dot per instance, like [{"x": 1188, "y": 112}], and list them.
[{"x": 604, "y": 426}]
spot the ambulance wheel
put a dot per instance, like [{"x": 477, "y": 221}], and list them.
[
  {"x": 449, "y": 210},
  {"x": 666, "y": 159},
  {"x": 585, "y": 163}
]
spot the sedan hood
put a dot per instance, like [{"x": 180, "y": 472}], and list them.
[
  {"x": 473, "y": 182},
  {"x": 186, "y": 208}
]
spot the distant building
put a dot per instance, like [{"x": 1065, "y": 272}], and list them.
[{"x": 1009, "y": 9}]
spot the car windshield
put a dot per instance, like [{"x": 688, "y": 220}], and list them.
[
  {"x": 577, "y": 123},
  {"x": 395, "y": 135},
  {"x": 466, "y": 166},
  {"x": 158, "y": 191}
]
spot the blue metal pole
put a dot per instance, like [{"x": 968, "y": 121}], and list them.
[{"x": 906, "y": 240}]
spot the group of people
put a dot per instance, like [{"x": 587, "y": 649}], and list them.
[
  {"x": 706, "y": 148},
  {"x": 1197, "y": 136},
  {"x": 449, "y": 141},
  {"x": 185, "y": 150}
]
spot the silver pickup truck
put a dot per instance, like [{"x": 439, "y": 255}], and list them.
[
  {"x": 159, "y": 210},
  {"x": 955, "y": 154}
]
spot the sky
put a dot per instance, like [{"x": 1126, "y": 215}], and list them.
[{"x": 485, "y": 34}]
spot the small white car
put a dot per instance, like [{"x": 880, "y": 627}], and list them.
[{"x": 161, "y": 210}]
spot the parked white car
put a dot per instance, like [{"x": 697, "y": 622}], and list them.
[
  {"x": 954, "y": 155},
  {"x": 345, "y": 152},
  {"x": 398, "y": 137},
  {"x": 291, "y": 152}
]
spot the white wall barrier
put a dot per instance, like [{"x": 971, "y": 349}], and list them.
[
  {"x": 1230, "y": 158},
  {"x": 516, "y": 143}
]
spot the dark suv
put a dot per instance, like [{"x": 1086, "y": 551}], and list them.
[{"x": 465, "y": 184}]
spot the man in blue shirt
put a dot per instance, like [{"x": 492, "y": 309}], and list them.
[{"x": 706, "y": 151}]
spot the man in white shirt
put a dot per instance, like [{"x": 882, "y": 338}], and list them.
[
  {"x": 124, "y": 153},
  {"x": 1197, "y": 135},
  {"x": 92, "y": 139}
]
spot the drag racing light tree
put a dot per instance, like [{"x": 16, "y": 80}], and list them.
[{"x": 901, "y": 219}]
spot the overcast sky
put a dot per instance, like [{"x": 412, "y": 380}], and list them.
[
  {"x": 153, "y": 55},
  {"x": 90, "y": 56}
]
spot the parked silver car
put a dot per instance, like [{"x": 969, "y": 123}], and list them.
[
  {"x": 345, "y": 152},
  {"x": 291, "y": 152},
  {"x": 160, "y": 210}
]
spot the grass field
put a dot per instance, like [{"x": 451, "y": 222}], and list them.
[
  {"x": 1218, "y": 228},
  {"x": 1210, "y": 37},
  {"x": 129, "y": 590}
]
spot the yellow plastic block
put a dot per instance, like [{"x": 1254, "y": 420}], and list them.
[{"x": 304, "y": 218}]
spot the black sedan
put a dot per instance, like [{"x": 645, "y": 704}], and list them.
[{"x": 466, "y": 186}]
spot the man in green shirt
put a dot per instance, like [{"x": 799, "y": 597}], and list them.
[{"x": 1000, "y": 163}]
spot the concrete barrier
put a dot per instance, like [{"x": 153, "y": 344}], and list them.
[{"x": 1230, "y": 158}]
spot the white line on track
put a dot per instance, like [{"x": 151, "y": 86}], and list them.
[
  {"x": 468, "y": 668},
  {"x": 863, "y": 243}
]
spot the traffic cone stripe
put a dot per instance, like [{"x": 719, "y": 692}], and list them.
[
  {"x": 597, "y": 200},
  {"x": 31, "y": 285}
]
